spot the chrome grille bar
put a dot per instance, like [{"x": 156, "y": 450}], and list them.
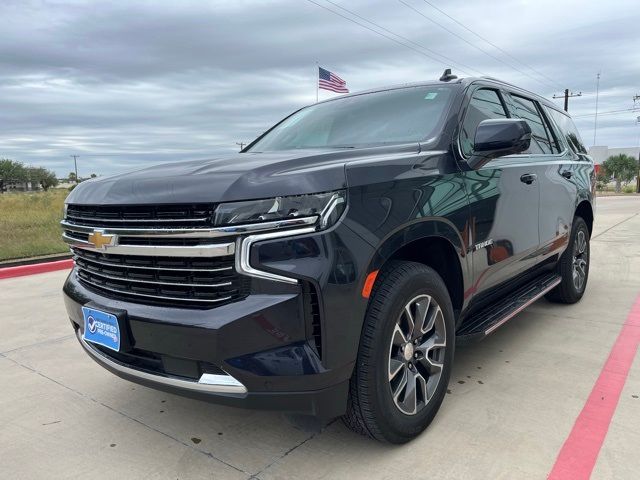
[
  {"x": 192, "y": 232},
  {"x": 155, "y": 282},
  {"x": 138, "y": 220},
  {"x": 207, "y": 250},
  {"x": 171, "y": 269},
  {"x": 156, "y": 297}
]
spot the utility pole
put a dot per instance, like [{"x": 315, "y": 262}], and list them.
[
  {"x": 242, "y": 144},
  {"x": 566, "y": 96},
  {"x": 595, "y": 122},
  {"x": 75, "y": 165},
  {"x": 637, "y": 97}
]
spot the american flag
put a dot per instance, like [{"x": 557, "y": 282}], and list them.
[{"x": 331, "y": 81}]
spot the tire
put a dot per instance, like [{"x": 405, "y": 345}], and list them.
[
  {"x": 373, "y": 409},
  {"x": 574, "y": 261}
]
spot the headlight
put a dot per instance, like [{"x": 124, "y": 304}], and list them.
[{"x": 326, "y": 206}]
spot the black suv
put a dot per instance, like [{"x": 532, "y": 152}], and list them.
[{"x": 331, "y": 267}]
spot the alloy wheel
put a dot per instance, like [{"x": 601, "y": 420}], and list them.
[
  {"x": 580, "y": 259},
  {"x": 416, "y": 354}
]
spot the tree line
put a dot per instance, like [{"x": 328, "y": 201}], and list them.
[
  {"x": 13, "y": 171},
  {"x": 621, "y": 168}
]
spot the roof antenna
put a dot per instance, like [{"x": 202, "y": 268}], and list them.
[{"x": 446, "y": 76}]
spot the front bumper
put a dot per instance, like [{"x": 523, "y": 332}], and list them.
[
  {"x": 326, "y": 403},
  {"x": 250, "y": 354},
  {"x": 257, "y": 352}
]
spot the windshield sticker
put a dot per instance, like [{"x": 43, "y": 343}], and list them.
[{"x": 431, "y": 95}]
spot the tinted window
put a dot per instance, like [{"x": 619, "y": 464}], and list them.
[
  {"x": 394, "y": 116},
  {"x": 568, "y": 130},
  {"x": 484, "y": 104},
  {"x": 541, "y": 139}
]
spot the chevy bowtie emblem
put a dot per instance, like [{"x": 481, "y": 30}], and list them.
[{"x": 101, "y": 240}]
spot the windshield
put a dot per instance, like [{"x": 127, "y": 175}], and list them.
[{"x": 404, "y": 115}]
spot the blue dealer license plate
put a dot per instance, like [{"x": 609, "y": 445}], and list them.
[{"x": 101, "y": 328}]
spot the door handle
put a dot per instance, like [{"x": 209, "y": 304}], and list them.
[
  {"x": 567, "y": 174},
  {"x": 528, "y": 178}
]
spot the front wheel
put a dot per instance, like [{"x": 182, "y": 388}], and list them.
[
  {"x": 405, "y": 355},
  {"x": 573, "y": 265}
]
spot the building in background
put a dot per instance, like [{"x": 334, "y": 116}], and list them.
[
  {"x": 21, "y": 186},
  {"x": 600, "y": 153}
]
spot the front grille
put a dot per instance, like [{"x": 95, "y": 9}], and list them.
[
  {"x": 190, "y": 282},
  {"x": 147, "y": 216},
  {"x": 167, "y": 254}
]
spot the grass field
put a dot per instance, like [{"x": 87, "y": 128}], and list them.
[{"x": 29, "y": 224}]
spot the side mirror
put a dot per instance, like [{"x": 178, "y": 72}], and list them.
[{"x": 499, "y": 137}]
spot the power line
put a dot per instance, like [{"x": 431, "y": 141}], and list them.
[
  {"x": 491, "y": 43},
  {"x": 402, "y": 37},
  {"x": 498, "y": 59},
  {"x": 610, "y": 112},
  {"x": 391, "y": 38}
]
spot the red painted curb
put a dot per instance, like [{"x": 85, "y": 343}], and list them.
[
  {"x": 578, "y": 455},
  {"x": 22, "y": 270}
]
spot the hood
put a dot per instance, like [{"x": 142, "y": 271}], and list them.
[{"x": 240, "y": 176}]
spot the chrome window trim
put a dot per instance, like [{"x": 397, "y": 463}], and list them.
[
  {"x": 208, "y": 382},
  {"x": 192, "y": 232},
  {"x": 243, "y": 264}
]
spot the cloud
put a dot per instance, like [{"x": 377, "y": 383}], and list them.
[{"x": 128, "y": 83}]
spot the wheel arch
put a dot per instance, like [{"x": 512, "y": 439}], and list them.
[
  {"x": 585, "y": 211},
  {"x": 435, "y": 243}
]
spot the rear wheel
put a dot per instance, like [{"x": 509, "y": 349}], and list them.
[
  {"x": 573, "y": 266},
  {"x": 405, "y": 355}
]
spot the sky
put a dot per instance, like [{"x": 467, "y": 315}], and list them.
[{"x": 124, "y": 84}]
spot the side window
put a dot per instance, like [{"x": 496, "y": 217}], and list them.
[
  {"x": 552, "y": 130},
  {"x": 568, "y": 130},
  {"x": 484, "y": 104},
  {"x": 542, "y": 141}
]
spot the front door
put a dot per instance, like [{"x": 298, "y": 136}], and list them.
[{"x": 504, "y": 202}]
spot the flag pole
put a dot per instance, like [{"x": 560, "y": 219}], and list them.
[{"x": 317, "y": 76}]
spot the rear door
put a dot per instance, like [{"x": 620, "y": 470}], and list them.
[
  {"x": 571, "y": 172},
  {"x": 503, "y": 197},
  {"x": 554, "y": 165}
]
